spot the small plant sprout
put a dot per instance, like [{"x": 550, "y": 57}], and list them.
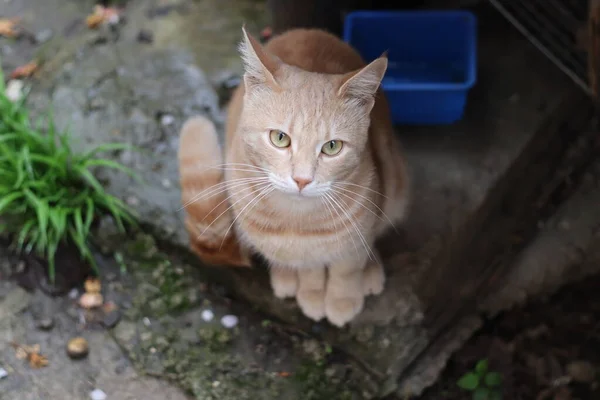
[
  {"x": 48, "y": 193},
  {"x": 482, "y": 383}
]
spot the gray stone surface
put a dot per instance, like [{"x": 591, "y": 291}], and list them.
[
  {"x": 111, "y": 87},
  {"x": 106, "y": 368}
]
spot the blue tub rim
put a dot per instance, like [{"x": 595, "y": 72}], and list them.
[{"x": 472, "y": 46}]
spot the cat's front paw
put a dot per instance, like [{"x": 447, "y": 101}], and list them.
[
  {"x": 311, "y": 292},
  {"x": 312, "y": 303},
  {"x": 341, "y": 310},
  {"x": 373, "y": 278},
  {"x": 284, "y": 282}
]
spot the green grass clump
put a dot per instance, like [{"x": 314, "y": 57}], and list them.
[{"x": 49, "y": 194}]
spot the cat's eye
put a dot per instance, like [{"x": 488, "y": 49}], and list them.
[
  {"x": 332, "y": 147},
  {"x": 279, "y": 139}
]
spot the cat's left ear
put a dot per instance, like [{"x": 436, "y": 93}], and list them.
[
  {"x": 362, "y": 85},
  {"x": 260, "y": 67}
]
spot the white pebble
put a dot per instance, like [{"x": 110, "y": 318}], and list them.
[
  {"x": 133, "y": 201},
  {"x": 229, "y": 321},
  {"x": 146, "y": 321},
  {"x": 14, "y": 89},
  {"x": 73, "y": 294},
  {"x": 167, "y": 120},
  {"x": 113, "y": 19},
  {"x": 97, "y": 394},
  {"x": 166, "y": 183},
  {"x": 3, "y": 373},
  {"x": 207, "y": 315}
]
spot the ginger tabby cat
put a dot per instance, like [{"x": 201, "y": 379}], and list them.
[{"x": 312, "y": 173}]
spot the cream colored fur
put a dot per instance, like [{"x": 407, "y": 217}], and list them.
[{"x": 317, "y": 237}]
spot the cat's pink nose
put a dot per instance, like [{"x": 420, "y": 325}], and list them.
[{"x": 302, "y": 182}]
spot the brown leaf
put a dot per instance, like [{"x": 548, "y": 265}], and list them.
[
  {"x": 25, "y": 71},
  {"x": 284, "y": 374},
  {"x": 30, "y": 353},
  {"x": 7, "y": 27},
  {"x": 37, "y": 360},
  {"x": 92, "y": 285},
  {"x": 20, "y": 353},
  {"x": 101, "y": 15}
]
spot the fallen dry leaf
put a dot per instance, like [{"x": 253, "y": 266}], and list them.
[
  {"x": 25, "y": 71},
  {"x": 92, "y": 285},
  {"x": 284, "y": 374},
  {"x": 7, "y": 27},
  {"x": 37, "y": 360},
  {"x": 30, "y": 353},
  {"x": 101, "y": 15}
]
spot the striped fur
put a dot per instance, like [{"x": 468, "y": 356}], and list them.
[{"x": 318, "y": 239}]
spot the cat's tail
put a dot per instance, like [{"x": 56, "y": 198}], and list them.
[{"x": 203, "y": 195}]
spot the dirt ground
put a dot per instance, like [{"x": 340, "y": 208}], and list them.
[{"x": 549, "y": 349}]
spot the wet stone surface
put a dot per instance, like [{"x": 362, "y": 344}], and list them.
[{"x": 152, "y": 337}]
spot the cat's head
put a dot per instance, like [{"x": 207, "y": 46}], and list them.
[{"x": 308, "y": 130}]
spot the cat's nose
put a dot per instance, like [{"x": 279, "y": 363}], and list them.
[{"x": 302, "y": 182}]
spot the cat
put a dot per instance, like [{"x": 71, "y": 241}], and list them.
[{"x": 311, "y": 174}]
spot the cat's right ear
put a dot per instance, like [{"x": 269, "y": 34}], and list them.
[{"x": 260, "y": 67}]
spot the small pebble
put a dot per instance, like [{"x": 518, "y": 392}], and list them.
[
  {"x": 111, "y": 319},
  {"x": 3, "y": 373},
  {"x": 229, "y": 321},
  {"x": 43, "y": 36},
  {"x": 581, "y": 371},
  {"x": 167, "y": 119},
  {"x": 20, "y": 267},
  {"x": 216, "y": 384},
  {"x": 166, "y": 183},
  {"x": 77, "y": 348},
  {"x": 91, "y": 300},
  {"x": 145, "y": 36},
  {"x": 73, "y": 294},
  {"x": 97, "y": 394},
  {"x": 146, "y": 321},
  {"x": 133, "y": 201},
  {"x": 45, "y": 324},
  {"x": 113, "y": 19},
  {"x": 207, "y": 315},
  {"x": 14, "y": 89}
]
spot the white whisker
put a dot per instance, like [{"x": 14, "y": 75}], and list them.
[
  {"x": 363, "y": 205},
  {"x": 264, "y": 192},
  {"x": 337, "y": 238},
  {"x": 333, "y": 205},
  {"x": 359, "y": 186},
  {"x": 356, "y": 228},
  {"x": 220, "y": 188},
  {"x": 229, "y": 208},
  {"x": 242, "y": 165},
  {"x": 243, "y": 184}
]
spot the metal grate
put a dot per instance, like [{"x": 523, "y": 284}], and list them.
[{"x": 558, "y": 28}]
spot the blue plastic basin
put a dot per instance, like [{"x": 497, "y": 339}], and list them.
[{"x": 432, "y": 60}]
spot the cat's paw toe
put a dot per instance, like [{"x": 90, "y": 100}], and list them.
[
  {"x": 312, "y": 303},
  {"x": 373, "y": 279},
  {"x": 284, "y": 283},
  {"x": 342, "y": 310}
]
